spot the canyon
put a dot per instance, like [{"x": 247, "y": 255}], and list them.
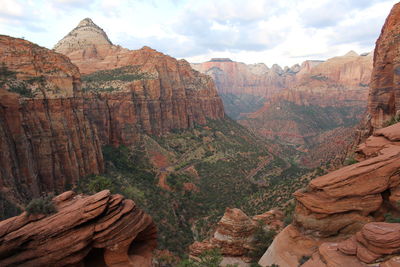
[
  {"x": 142, "y": 140},
  {"x": 304, "y": 107},
  {"x": 338, "y": 216}
]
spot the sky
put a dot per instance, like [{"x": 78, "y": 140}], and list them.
[{"x": 285, "y": 32}]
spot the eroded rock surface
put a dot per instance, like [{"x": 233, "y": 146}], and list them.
[
  {"x": 384, "y": 97},
  {"x": 235, "y": 234},
  {"x": 101, "y": 230},
  {"x": 377, "y": 243},
  {"x": 46, "y": 141},
  {"x": 335, "y": 206}
]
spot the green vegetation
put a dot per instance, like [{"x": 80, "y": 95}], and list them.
[
  {"x": 210, "y": 258},
  {"x": 42, "y": 205},
  {"x": 395, "y": 119},
  {"x": 262, "y": 240},
  {"x": 244, "y": 103},
  {"x": 289, "y": 211},
  {"x": 350, "y": 160},
  {"x": 126, "y": 74},
  {"x": 222, "y": 154},
  {"x": 7, "y": 208},
  {"x": 21, "y": 89},
  {"x": 6, "y": 74},
  {"x": 303, "y": 260},
  {"x": 319, "y": 77}
]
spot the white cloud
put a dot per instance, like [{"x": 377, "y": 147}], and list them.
[{"x": 269, "y": 31}]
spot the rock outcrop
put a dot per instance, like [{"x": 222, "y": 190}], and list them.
[
  {"x": 83, "y": 36},
  {"x": 339, "y": 204},
  {"x": 46, "y": 141},
  {"x": 235, "y": 235},
  {"x": 97, "y": 230},
  {"x": 376, "y": 242},
  {"x": 384, "y": 96}
]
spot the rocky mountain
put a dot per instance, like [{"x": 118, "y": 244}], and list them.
[
  {"x": 244, "y": 88},
  {"x": 101, "y": 230},
  {"x": 338, "y": 219},
  {"x": 318, "y": 113},
  {"x": 304, "y": 107},
  {"x": 52, "y": 130}
]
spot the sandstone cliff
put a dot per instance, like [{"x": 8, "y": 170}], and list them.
[
  {"x": 384, "y": 96},
  {"x": 239, "y": 78},
  {"x": 97, "y": 230},
  {"x": 338, "y": 216},
  {"x": 165, "y": 94},
  {"x": 338, "y": 204},
  {"x": 52, "y": 130},
  {"x": 46, "y": 141}
]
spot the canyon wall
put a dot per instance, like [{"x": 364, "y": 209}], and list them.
[
  {"x": 166, "y": 94},
  {"x": 52, "y": 126},
  {"x": 384, "y": 96},
  {"x": 338, "y": 219},
  {"x": 46, "y": 141}
]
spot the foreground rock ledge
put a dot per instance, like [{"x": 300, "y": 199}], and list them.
[{"x": 97, "y": 230}]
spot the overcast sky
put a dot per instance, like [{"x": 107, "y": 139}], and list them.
[{"x": 251, "y": 31}]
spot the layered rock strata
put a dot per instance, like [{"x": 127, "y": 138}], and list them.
[
  {"x": 339, "y": 204},
  {"x": 46, "y": 141},
  {"x": 101, "y": 230},
  {"x": 384, "y": 96},
  {"x": 52, "y": 129},
  {"x": 165, "y": 94},
  {"x": 376, "y": 242},
  {"x": 234, "y": 235}
]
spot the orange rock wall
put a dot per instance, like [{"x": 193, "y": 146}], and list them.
[{"x": 384, "y": 97}]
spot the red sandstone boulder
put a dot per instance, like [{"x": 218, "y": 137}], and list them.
[{"x": 101, "y": 230}]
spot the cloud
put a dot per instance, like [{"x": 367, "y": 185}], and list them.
[{"x": 251, "y": 31}]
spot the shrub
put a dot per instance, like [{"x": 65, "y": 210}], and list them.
[
  {"x": 42, "y": 205},
  {"x": 390, "y": 219},
  {"x": 303, "y": 260},
  {"x": 349, "y": 161},
  {"x": 21, "y": 89},
  {"x": 395, "y": 119},
  {"x": 99, "y": 183},
  {"x": 262, "y": 240},
  {"x": 5, "y": 74},
  {"x": 209, "y": 258}
]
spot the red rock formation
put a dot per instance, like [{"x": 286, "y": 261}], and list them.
[
  {"x": 234, "y": 235},
  {"x": 46, "y": 142},
  {"x": 52, "y": 137},
  {"x": 173, "y": 95},
  {"x": 342, "y": 202},
  {"x": 375, "y": 243},
  {"x": 101, "y": 230},
  {"x": 239, "y": 78},
  {"x": 384, "y": 97}
]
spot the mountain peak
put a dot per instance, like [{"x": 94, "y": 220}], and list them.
[
  {"x": 86, "y": 34},
  {"x": 86, "y": 22},
  {"x": 351, "y": 53}
]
